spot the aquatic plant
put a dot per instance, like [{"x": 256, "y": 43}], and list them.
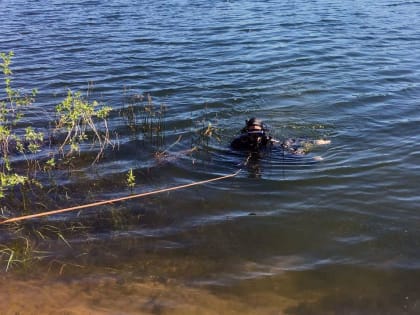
[
  {"x": 205, "y": 132},
  {"x": 78, "y": 117},
  {"x": 16, "y": 253},
  {"x": 153, "y": 121},
  {"x": 131, "y": 179},
  {"x": 81, "y": 122},
  {"x": 11, "y": 140},
  {"x": 24, "y": 247},
  {"x": 143, "y": 116}
]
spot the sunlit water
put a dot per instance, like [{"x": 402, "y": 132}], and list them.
[{"x": 339, "y": 236}]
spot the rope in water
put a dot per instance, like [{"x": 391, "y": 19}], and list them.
[{"x": 104, "y": 202}]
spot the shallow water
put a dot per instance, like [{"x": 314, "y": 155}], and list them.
[{"x": 339, "y": 236}]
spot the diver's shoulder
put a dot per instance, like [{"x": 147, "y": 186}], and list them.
[{"x": 240, "y": 143}]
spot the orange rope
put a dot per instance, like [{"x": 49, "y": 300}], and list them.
[{"x": 104, "y": 202}]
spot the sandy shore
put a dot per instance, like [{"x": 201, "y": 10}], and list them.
[{"x": 108, "y": 295}]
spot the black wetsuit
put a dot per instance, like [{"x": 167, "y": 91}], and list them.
[
  {"x": 245, "y": 143},
  {"x": 255, "y": 137}
]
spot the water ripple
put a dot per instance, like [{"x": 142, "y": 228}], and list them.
[{"x": 347, "y": 71}]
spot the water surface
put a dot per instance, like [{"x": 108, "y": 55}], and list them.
[{"x": 336, "y": 237}]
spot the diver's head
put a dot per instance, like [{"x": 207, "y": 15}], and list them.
[{"x": 256, "y": 132}]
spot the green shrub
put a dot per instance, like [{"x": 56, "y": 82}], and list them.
[{"x": 11, "y": 112}]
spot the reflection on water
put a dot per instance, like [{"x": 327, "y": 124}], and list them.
[{"x": 287, "y": 235}]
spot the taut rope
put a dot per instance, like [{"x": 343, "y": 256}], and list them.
[{"x": 104, "y": 202}]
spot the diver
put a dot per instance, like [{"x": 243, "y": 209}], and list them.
[{"x": 255, "y": 138}]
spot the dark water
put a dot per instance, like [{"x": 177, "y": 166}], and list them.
[{"x": 340, "y": 236}]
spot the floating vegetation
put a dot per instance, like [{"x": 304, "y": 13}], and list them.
[{"x": 205, "y": 134}]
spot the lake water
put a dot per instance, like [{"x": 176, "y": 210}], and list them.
[{"x": 340, "y": 236}]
